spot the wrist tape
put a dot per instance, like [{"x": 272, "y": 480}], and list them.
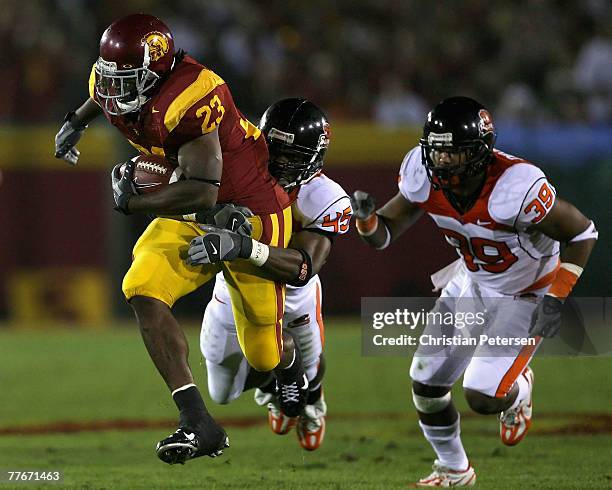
[
  {"x": 259, "y": 253},
  {"x": 368, "y": 226},
  {"x": 565, "y": 280}
]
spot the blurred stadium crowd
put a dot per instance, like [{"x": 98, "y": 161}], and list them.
[{"x": 387, "y": 60}]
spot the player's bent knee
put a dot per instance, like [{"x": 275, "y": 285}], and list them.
[
  {"x": 262, "y": 364},
  {"x": 430, "y": 399},
  {"x": 481, "y": 403},
  {"x": 222, "y": 397},
  {"x": 261, "y": 347}
]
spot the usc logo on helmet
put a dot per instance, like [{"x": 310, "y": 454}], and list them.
[{"x": 158, "y": 44}]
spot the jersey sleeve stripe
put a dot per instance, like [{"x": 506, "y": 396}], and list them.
[{"x": 206, "y": 82}]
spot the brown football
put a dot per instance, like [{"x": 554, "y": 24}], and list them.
[{"x": 152, "y": 172}]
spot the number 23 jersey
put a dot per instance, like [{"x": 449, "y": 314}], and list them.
[
  {"x": 192, "y": 101},
  {"x": 494, "y": 239}
]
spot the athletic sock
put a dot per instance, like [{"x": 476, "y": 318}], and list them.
[
  {"x": 190, "y": 404},
  {"x": 446, "y": 442},
  {"x": 269, "y": 387},
  {"x": 314, "y": 395},
  {"x": 522, "y": 392}
]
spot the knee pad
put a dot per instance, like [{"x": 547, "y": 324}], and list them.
[
  {"x": 426, "y": 404},
  {"x": 226, "y": 381},
  {"x": 261, "y": 362}
]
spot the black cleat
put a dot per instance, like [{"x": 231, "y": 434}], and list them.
[
  {"x": 187, "y": 444},
  {"x": 292, "y": 397}
]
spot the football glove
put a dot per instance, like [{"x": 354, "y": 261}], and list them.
[
  {"x": 546, "y": 319},
  {"x": 123, "y": 185},
  {"x": 229, "y": 217},
  {"x": 363, "y": 204},
  {"x": 66, "y": 139},
  {"x": 218, "y": 245}
]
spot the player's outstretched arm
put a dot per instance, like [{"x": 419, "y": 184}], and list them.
[
  {"x": 566, "y": 224},
  {"x": 379, "y": 228},
  {"x": 75, "y": 123},
  {"x": 295, "y": 265},
  {"x": 202, "y": 163}
]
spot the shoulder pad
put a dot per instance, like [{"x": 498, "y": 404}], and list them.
[
  {"x": 193, "y": 93},
  {"x": 323, "y": 204},
  {"x": 412, "y": 181},
  {"x": 521, "y": 197}
]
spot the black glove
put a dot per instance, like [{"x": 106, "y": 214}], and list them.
[
  {"x": 218, "y": 245},
  {"x": 546, "y": 319},
  {"x": 363, "y": 204},
  {"x": 123, "y": 185},
  {"x": 66, "y": 139},
  {"x": 228, "y": 217}
]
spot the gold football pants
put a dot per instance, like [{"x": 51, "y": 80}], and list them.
[{"x": 159, "y": 271}]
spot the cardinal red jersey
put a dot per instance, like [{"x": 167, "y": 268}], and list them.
[
  {"x": 193, "y": 101},
  {"x": 495, "y": 238}
]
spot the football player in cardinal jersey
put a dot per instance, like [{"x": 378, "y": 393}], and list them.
[
  {"x": 166, "y": 103},
  {"x": 297, "y": 133},
  {"x": 506, "y": 222}
]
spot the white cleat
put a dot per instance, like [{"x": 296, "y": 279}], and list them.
[
  {"x": 311, "y": 425},
  {"x": 514, "y": 424},
  {"x": 445, "y": 477},
  {"x": 279, "y": 423}
]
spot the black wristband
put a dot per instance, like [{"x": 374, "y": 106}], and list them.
[
  {"x": 69, "y": 118},
  {"x": 305, "y": 271}
]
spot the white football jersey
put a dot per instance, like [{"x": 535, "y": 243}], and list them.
[
  {"x": 493, "y": 237},
  {"x": 321, "y": 204}
]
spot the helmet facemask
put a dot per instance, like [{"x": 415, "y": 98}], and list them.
[
  {"x": 124, "y": 91},
  {"x": 294, "y": 165},
  {"x": 473, "y": 158}
]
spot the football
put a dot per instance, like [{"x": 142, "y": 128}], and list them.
[{"x": 152, "y": 172}]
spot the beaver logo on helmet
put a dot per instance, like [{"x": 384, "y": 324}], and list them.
[
  {"x": 485, "y": 125},
  {"x": 158, "y": 44}
]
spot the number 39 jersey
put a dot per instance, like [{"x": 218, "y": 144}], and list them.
[{"x": 494, "y": 239}]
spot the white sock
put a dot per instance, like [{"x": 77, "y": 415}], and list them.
[
  {"x": 446, "y": 442},
  {"x": 522, "y": 393}
]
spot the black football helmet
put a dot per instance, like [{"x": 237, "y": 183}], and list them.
[
  {"x": 457, "y": 125},
  {"x": 297, "y": 133}
]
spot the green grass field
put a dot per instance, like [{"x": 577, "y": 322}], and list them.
[{"x": 373, "y": 441}]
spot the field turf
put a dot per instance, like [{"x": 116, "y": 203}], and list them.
[{"x": 90, "y": 403}]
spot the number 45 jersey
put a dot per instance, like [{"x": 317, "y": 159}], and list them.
[{"x": 498, "y": 248}]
